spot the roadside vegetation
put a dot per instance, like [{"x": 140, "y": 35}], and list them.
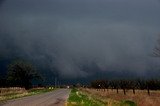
[
  {"x": 77, "y": 98},
  {"x": 83, "y": 98},
  {"x": 17, "y": 92}
]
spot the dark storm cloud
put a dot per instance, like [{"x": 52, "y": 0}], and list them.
[
  {"x": 113, "y": 35},
  {"x": 1, "y": 1}
]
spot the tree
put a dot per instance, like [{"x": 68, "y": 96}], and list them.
[
  {"x": 141, "y": 84},
  {"x": 21, "y": 74},
  {"x": 124, "y": 84},
  {"x": 133, "y": 85},
  {"x": 117, "y": 85},
  {"x": 100, "y": 84}
]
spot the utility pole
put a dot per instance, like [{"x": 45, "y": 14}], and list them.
[
  {"x": 58, "y": 84},
  {"x": 55, "y": 82}
]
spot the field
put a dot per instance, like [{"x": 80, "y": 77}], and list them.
[
  {"x": 141, "y": 98},
  {"x": 17, "y": 92}
]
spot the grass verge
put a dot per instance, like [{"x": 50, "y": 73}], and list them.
[{"x": 78, "y": 98}]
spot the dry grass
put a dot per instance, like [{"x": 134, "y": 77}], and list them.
[
  {"x": 17, "y": 92},
  {"x": 12, "y": 92},
  {"x": 141, "y": 98},
  {"x": 5, "y": 91}
]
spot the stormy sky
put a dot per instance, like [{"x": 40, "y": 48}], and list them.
[{"x": 80, "y": 38}]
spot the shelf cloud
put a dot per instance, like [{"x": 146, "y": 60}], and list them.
[{"x": 72, "y": 37}]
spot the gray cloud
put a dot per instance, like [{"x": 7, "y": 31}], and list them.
[{"x": 70, "y": 35}]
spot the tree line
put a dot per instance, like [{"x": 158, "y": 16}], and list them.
[{"x": 150, "y": 84}]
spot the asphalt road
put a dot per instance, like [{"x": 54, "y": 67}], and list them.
[{"x": 55, "y": 98}]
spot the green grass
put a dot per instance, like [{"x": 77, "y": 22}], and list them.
[
  {"x": 77, "y": 98},
  {"x": 127, "y": 103}
]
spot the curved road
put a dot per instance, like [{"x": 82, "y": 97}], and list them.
[{"x": 55, "y": 98}]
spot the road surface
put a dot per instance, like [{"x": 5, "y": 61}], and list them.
[{"x": 55, "y": 98}]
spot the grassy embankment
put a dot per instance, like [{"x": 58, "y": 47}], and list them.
[
  {"x": 79, "y": 98},
  {"x": 13, "y": 93}
]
